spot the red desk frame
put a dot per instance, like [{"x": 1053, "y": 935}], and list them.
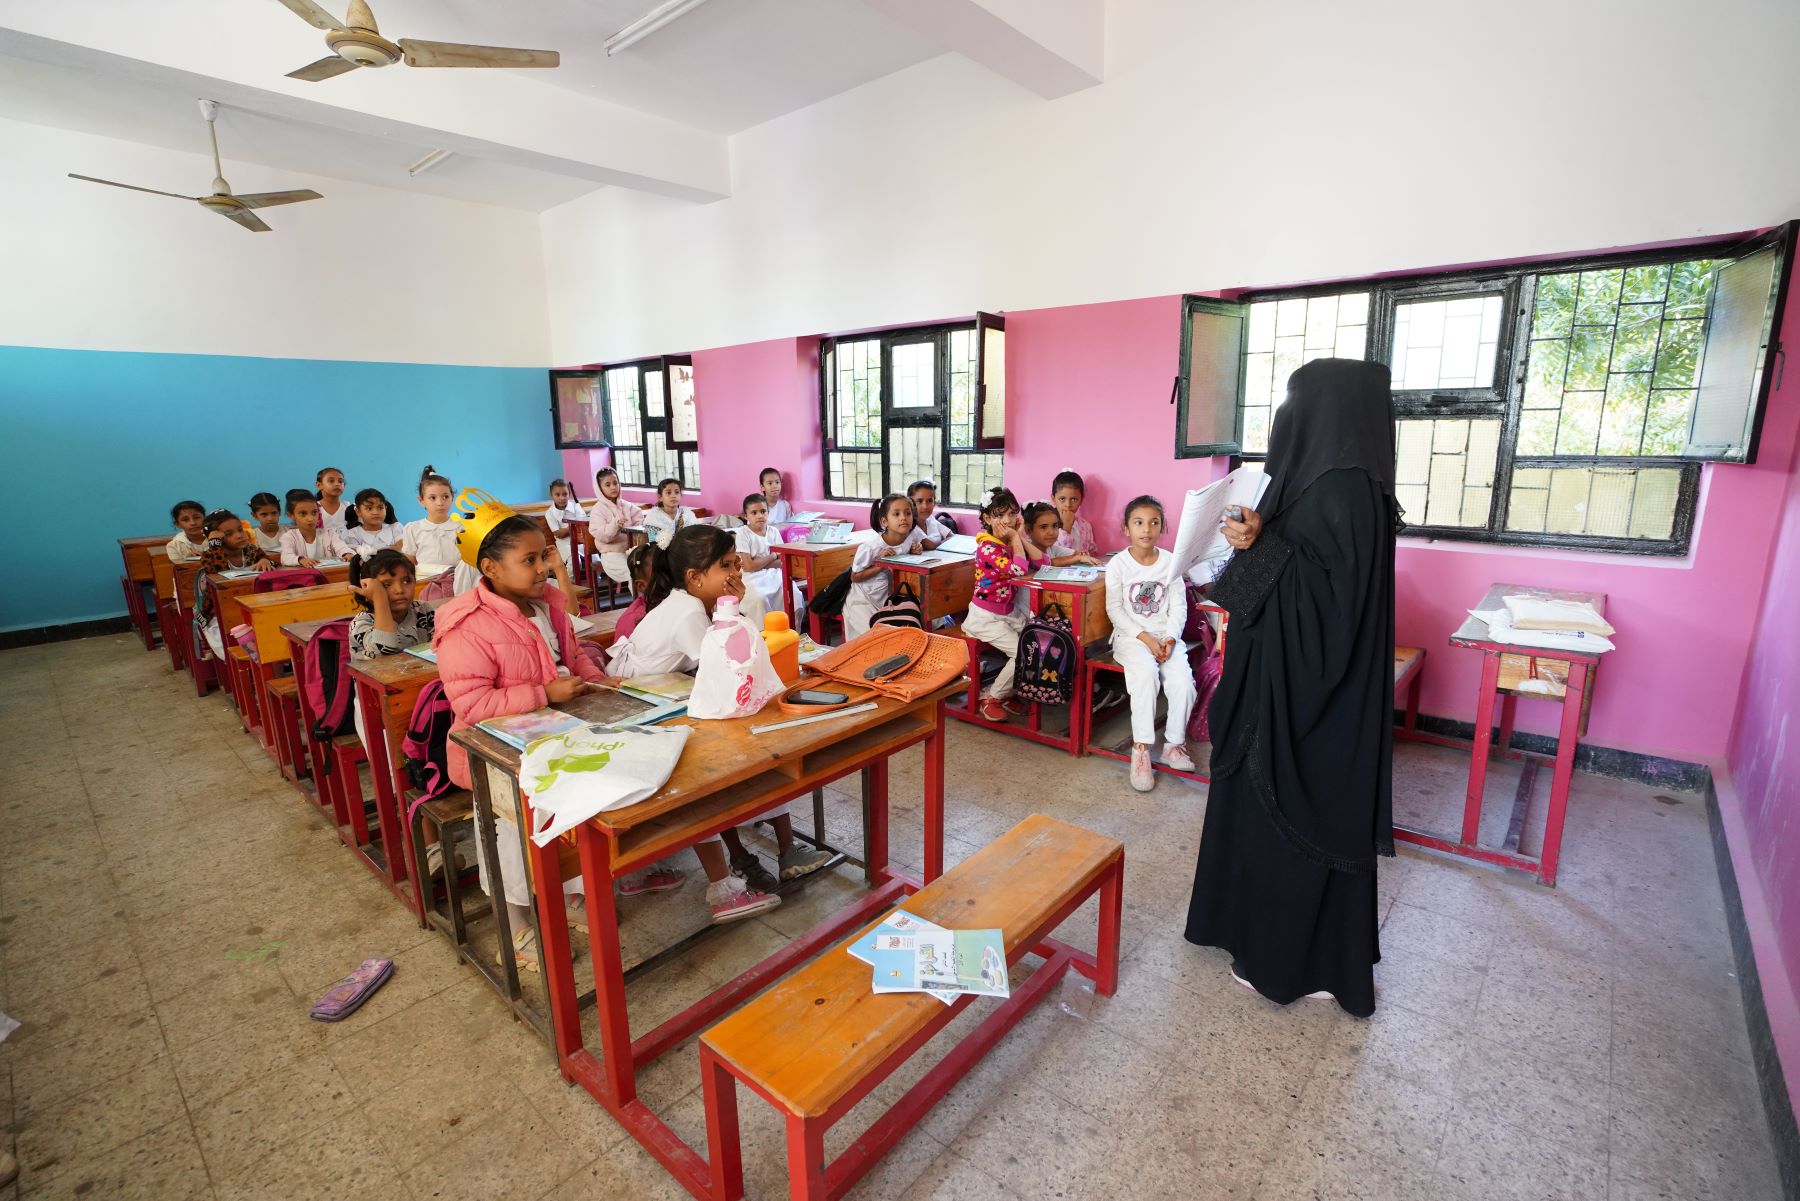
[
  {"x": 1473, "y": 635},
  {"x": 611, "y": 1078},
  {"x": 1076, "y": 599}
]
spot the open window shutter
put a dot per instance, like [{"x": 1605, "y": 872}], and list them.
[
  {"x": 1210, "y": 389},
  {"x": 990, "y": 382},
  {"x": 578, "y": 414},
  {"x": 1743, "y": 352},
  {"x": 828, "y": 392},
  {"x": 680, "y": 402}
]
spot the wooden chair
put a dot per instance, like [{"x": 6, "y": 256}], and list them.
[{"x": 819, "y": 1041}]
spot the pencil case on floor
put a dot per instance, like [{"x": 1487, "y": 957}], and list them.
[{"x": 347, "y": 995}]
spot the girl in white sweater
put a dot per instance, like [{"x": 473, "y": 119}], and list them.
[{"x": 1148, "y": 611}]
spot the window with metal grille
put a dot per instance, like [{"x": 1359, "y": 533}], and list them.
[
  {"x": 1565, "y": 404},
  {"x": 914, "y": 404},
  {"x": 643, "y": 411}
]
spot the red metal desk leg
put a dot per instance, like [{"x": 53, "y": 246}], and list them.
[
  {"x": 806, "y": 1159},
  {"x": 1484, "y": 736},
  {"x": 934, "y": 800},
  {"x": 724, "y": 1148},
  {"x": 603, "y": 942},
  {"x": 787, "y": 589},
  {"x": 1509, "y": 705},
  {"x": 1565, "y": 768},
  {"x": 1106, "y": 949}
]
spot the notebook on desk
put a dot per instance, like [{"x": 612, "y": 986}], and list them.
[
  {"x": 828, "y": 533},
  {"x": 958, "y": 544}
]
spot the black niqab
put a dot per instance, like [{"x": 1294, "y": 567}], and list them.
[{"x": 1339, "y": 413}]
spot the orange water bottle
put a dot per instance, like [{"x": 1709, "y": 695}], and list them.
[{"x": 783, "y": 644}]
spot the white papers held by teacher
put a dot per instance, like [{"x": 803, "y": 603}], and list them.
[{"x": 1198, "y": 537}]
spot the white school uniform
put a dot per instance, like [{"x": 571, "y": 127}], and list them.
[
  {"x": 667, "y": 639},
  {"x": 866, "y": 596},
  {"x": 936, "y": 528},
  {"x": 1143, "y": 600},
  {"x": 765, "y": 583},
  {"x": 367, "y": 542},
  {"x": 662, "y": 527},
  {"x": 269, "y": 544},
  {"x": 181, "y": 549},
  {"x": 433, "y": 543},
  {"x": 325, "y": 545},
  {"x": 780, "y": 513},
  {"x": 559, "y": 521},
  {"x": 339, "y": 521}
]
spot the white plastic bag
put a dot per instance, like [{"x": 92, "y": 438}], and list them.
[
  {"x": 735, "y": 677},
  {"x": 572, "y": 776}
]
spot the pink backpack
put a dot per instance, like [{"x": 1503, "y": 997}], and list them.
[
  {"x": 329, "y": 689},
  {"x": 283, "y": 578},
  {"x": 425, "y": 745},
  {"x": 1207, "y": 667}
]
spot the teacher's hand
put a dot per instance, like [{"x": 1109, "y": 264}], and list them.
[{"x": 1242, "y": 534}]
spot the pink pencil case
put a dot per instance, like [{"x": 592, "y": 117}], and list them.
[{"x": 347, "y": 995}]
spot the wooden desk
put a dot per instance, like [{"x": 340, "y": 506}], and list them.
[
  {"x": 229, "y": 591},
  {"x": 814, "y": 564},
  {"x": 944, "y": 585},
  {"x": 726, "y": 777},
  {"x": 387, "y": 688},
  {"x": 137, "y": 580},
  {"x": 168, "y": 617},
  {"x": 298, "y": 635},
  {"x": 1085, "y": 604},
  {"x": 1504, "y": 668}
]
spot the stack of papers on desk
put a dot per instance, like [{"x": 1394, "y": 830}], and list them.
[
  {"x": 1501, "y": 629},
  {"x": 1074, "y": 573},
  {"x": 909, "y": 954}
]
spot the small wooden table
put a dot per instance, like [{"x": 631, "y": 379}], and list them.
[
  {"x": 814, "y": 564},
  {"x": 1085, "y": 604},
  {"x": 727, "y": 776},
  {"x": 1505, "y": 669},
  {"x": 944, "y": 582},
  {"x": 139, "y": 582}
]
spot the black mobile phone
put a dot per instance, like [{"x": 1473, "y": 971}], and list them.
[
  {"x": 891, "y": 663},
  {"x": 814, "y": 696}
]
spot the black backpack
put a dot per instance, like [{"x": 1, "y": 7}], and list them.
[
  {"x": 901, "y": 608},
  {"x": 1045, "y": 674},
  {"x": 829, "y": 600}
]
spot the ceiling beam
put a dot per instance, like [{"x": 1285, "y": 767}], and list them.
[
  {"x": 500, "y": 116},
  {"x": 1051, "y": 47}
]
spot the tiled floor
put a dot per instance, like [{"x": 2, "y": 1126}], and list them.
[{"x": 168, "y": 910}]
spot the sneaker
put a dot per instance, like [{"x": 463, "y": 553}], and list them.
[
  {"x": 1176, "y": 756},
  {"x": 993, "y": 710},
  {"x": 525, "y": 950},
  {"x": 1142, "y": 778},
  {"x": 802, "y": 861},
  {"x": 750, "y": 870},
  {"x": 730, "y": 899},
  {"x": 1014, "y": 706},
  {"x": 659, "y": 878}
]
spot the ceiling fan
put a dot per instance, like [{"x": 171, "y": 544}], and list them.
[
  {"x": 357, "y": 42},
  {"x": 221, "y": 201}
]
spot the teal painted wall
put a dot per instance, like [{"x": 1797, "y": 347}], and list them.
[{"x": 96, "y": 445}]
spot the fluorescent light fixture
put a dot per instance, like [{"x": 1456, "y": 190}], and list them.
[
  {"x": 649, "y": 23},
  {"x": 428, "y": 162}
]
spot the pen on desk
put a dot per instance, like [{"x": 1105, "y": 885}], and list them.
[{"x": 806, "y": 721}]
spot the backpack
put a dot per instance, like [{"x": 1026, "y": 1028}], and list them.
[
  {"x": 1046, "y": 664},
  {"x": 1208, "y": 668},
  {"x": 829, "y": 600},
  {"x": 280, "y": 579},
  {"x": 329, "y": 690},
  {"x": 427, "y": 732},
  {"x": 900, "y": 609}
]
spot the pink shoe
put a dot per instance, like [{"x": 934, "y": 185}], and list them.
[
  {"x": 1175, "y": 755},
  {"x": 658, "y": 879},
  {"x": 731, "y": 899},
  {"x": 993, "y": 710},
  {"x": 1142, "y": 777}
]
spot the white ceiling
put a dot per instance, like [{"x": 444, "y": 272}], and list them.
[
  {"x": 67, "y": 98},
  {"x": 723, "y": 67},
  {"x": 657, "y": 117}
]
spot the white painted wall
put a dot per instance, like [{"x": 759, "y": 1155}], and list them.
[
  {"x": 1231, "y": 144},
  {"x": 367, "y": 273}
]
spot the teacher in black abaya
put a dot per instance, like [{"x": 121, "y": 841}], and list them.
[{"x": 1302, "y": 723}]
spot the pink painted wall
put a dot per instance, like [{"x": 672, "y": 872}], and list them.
[
  {"x": 1090, "y": 389},
  {"x": 1765, "y": 772}
]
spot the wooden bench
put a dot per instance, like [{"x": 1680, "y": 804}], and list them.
[{"x": 821, "y": 1040}]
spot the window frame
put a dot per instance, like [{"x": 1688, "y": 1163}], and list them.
[
  {"x": 935, "y": 415},
  {"x": 1511, "y": 363},
  {"x": 647, "y": 423}
]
